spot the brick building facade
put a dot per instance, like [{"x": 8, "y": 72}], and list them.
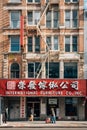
[{"x": 52, "y": 46}]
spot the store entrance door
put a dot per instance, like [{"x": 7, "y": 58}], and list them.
[{"x": 34, "y": 108}]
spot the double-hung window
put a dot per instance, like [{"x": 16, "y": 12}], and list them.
[
  {"x": 52, "y": 20},
  {"x": 15, "y": 19},
  {"x": 14, "y": 1},
  {"x": 52, "y": 42},
  {"x": 33, "y": 69},
  {"x": 34, "y": 44},
  {"x": 70, "y": 70},
  {"x": 15, "y": 43},
  {"x": 33, "y": 17},
  {"x": 34, "y": 1},
  {"x": 71, "y": 1},
  {"x": 71, "y": 19},
  {"x": 52, "y": 70},
  {"x": 71, "y": 43}
]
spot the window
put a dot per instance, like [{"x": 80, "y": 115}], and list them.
[
  {"x": 53, "y": 70},
  {"x": 36, "y": 1},
  {"x": 37, "y": 44},
  {"x": 70, "y": 70},
  {"x": 34, "y": 44},
  {"x": 15, "y": 70},
  {"x": 71, "y": 18},
  {"x": 15, "y": 1},
  {"x": 30, "y": 46},
  {"x": 33, "y": 17},
  {"x": 52, "y": 20},
  {"x": 71, "y": 106},
  {"x": 15, "y": 19},
  {"x": 71, "y": 1},
  {"x": 33, "y": 69},
  {"x": 52, "y": 42},
  {"x": 71, "y": 43},
  {"x": 15, "y": 43}
]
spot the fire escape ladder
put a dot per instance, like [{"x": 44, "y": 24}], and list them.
[
  {"x": 39, "y": 31},
  {"x": 43, "y": 14},
  {"x": 42, "y": 65}
]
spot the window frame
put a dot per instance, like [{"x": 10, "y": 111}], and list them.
[
  {"x": 11, "y": 38},
  {"x": 12, "y": 21},
  {"x": 33, "y": 45},
  {"x": 71, "y": 43},
  {"x": 12, "y": 72},
  {"x": 71, "y": 19}
]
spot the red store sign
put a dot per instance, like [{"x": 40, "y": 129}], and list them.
[{"x": 42, "y": 87}]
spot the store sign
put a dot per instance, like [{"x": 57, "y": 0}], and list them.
[
  {"x": 43, "y": 87},
  {"x": 53, "y": 101}
]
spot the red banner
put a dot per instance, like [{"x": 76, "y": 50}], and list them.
[{"x": 43, "y": 87}]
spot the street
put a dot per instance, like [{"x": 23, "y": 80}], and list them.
[{"x": 43, "y": 128}]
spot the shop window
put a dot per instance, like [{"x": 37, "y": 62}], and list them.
[
  {"x": 70, "y": 70},
  {"x": 71, "y": 106},
  {"x": 52, "y": 70},
  {"x": 15, "y": 70},
  {"x": 33, "y": 69}
]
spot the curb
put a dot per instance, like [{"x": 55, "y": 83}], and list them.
[{"x": 43, "y": 126}]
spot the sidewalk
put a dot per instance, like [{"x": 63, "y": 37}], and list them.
[{"x": 42, "y": 124}]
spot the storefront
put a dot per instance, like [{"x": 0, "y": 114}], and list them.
[{"x": 21, "y": 96}]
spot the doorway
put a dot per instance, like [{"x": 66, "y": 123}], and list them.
[{"x": 33, "y": 106}]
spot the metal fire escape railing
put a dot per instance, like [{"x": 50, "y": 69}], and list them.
[{"x": 39, "y": 31}]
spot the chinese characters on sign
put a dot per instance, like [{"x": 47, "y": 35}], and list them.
[
  {"x": 45, "y": 87},
  {"x": 32, "y": 85}
]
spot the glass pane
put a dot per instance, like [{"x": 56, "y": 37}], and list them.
[
  {"x": 70, "y": 70},
  {"x": 37, "y": 0},
  {"x": 67, "y": 0},
  {"x": 55, "y": 42},
  {"x": 15, "y": 70},
  {"x": 36, "y": 17},
  {"x": 30, "y": 46},
  {"x": 37, "y": 44},
  {"x": 30, "y": 0},
  {"x": 74, "y": 43},
  {"x": 48, "y": 40},
  {"x": 53, "y": 70},
  {"x": 15, "y": 46},
  {"x": 71, "y": 106},
  {"x": 31, "y": 70},
  {"x": 30, "y": 18}
]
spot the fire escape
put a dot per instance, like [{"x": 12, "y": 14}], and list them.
[{"x": 39, "y": 32}]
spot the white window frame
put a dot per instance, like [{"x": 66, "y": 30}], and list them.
[
  {"x": 10, "y": 45},
  {"x": 71, "y": 43},
  {"x": 52, "y": 42},
  {"x": 33, "y": 20},
  {"x": 71, "y": 1},
  {"x": 71, "y": 19},
  {"x": 33, "y": 1},
  {"x": 52, "y": 21},
  {"x": 11, "y": 23},
  {"x": 14, "y": 1}
]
